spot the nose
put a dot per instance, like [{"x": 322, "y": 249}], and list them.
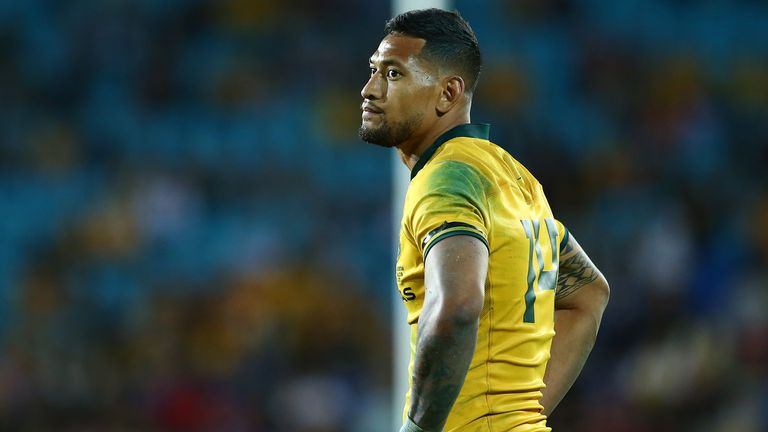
[{"x": 372, "y": 90}]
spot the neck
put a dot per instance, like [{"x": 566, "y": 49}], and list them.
[{"x": 411, "y": 149}]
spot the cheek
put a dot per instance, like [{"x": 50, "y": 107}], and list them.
[
  {"x": 423, "y": 102},
  {"x": 413, "y": 100}
]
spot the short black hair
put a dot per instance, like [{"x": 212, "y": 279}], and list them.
[{"x": 450, "y": 41}]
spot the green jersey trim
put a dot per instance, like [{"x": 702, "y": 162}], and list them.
[
  {"x": 566, "y": 237},
  {"x": 452, "y": 233},
  {"x": 471, "y": 130}
]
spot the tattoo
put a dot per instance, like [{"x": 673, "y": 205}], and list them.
[
  {"x": 442, "y": 359},
  {"x": 575, "y": 272}
]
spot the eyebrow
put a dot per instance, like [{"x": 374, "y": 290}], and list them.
[{"x": 387, "y": 62}]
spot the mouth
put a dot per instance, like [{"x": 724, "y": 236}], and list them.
[{"x": 371, "y": 109}]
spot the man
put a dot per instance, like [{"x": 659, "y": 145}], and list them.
[{"x": 480, "y": 249}]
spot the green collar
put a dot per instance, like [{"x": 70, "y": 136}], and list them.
[{"x": 471, "y": 130}]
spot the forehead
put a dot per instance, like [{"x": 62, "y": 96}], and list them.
[{"x": 398, "y": 48}]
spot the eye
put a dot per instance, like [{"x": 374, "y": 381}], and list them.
[
  {"x": 393, "y": 73},
  {"x": 371, "y": 70}
]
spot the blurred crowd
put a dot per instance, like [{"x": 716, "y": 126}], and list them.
[
  {"x": 194, "y": 239},
  {"x": 184, "y": 219}
]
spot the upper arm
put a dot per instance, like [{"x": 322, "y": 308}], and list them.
[
  {"x": 579, "y": 283},
  {"x": 447, "y": 200},
  {"x": 448, "y": 216},
  {"x": 454, "y": 276}
]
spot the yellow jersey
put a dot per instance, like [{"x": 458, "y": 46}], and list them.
[{"x": 466, "y": 185}]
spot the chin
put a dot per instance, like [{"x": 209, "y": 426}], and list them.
[{"x": 377, "y": 136}]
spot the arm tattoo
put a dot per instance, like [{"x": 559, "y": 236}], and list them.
[
  {"x": 575, "y": 272},
  {"x": 442, "y": 360}
]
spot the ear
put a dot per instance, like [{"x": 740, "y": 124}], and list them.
[{"x": 452, "y": 92}]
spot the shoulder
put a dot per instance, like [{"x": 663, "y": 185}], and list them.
[{"x": 451, "y": 176}]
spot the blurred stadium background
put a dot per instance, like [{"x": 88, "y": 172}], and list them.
[{"x": 194, "y": 239}]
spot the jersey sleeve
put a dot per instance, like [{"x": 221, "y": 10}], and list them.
[
  {"x": 450, "y": 200},
  {"x": 562, "y": 234}
]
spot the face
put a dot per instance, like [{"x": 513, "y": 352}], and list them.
[{"x": 398, "y": 100}]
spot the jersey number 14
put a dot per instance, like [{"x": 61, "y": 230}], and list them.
[{"x": 544, "y": 280}]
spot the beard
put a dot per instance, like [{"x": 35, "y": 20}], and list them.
[{"x": 387, "y": 135}]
